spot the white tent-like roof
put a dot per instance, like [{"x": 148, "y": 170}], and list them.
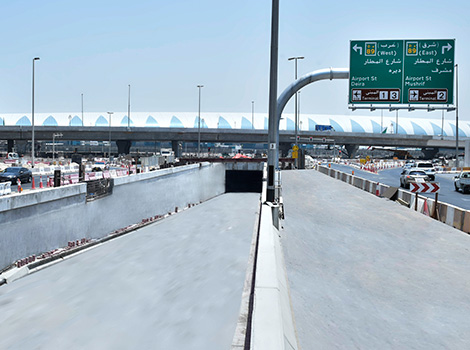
[{"x": 307, "y": 122}]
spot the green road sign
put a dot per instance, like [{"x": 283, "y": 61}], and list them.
[{"x": 401, "y": 72}]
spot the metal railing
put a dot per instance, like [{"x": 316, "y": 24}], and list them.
[{"x": 99, "y": 188}]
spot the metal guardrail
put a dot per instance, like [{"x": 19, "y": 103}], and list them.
[{"x": 99, "y": 188}]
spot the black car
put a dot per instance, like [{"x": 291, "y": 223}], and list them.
[{"x": 12, "y": 174}]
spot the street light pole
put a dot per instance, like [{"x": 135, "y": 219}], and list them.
[
  {"x": 273, "y": 138},
  {"x": 32, "y": 118},
  {"x": 442, "y": 126},
  {"x": 199, "y": 123},
  {"x": 109, "y": 149},
  {"x": 296, "y": 115},
  {"x": 396, "y": 126},
  {"x": 83, "y": 123},
  {"x": 129, "y": 108},
  {"x": 252, "y": 114},
  {"x": 381, "y": 120},
  {"x": 457, "y": 116}
]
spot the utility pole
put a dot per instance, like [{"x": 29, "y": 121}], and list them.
[
  {"x": 129, "y": 108},
  {"x": 272, "y": 134},
  {"x": 32, "y": 118},
  {"x": 457, "y": 116},
  {"x": 199, "y": 123}
]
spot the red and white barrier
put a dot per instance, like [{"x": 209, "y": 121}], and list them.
[{"x": 424, "y": 187}]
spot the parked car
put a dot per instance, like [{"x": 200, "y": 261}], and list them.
[
  {"x": 462, "y": 182},
  {"x": 410, "y": 175},
  {"x": 427, "y": 167},
  {"x": 12, "y": 174}
]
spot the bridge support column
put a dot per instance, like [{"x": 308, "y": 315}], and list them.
[
  {"x": 177, "y": 147},
  {"x": 10, "y": 145},
  {"x": 284, "y": 148},
  {"x": 430, "y": 153},
  {"x": 352, "y": 150},
  {"x": 124, "y": 146}
]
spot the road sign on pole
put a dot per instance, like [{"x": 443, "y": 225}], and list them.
[
  {"x": 424, "y": 187},
  {"x": 401, "y": 72}
]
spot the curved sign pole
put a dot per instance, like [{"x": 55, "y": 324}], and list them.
[{"x": 273, "y": 136}]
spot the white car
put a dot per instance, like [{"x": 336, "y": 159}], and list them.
[
  {"x": 428, "y": 168},
  {"x": 462, "y": 182},
  {"x": 412, "y": 175}
]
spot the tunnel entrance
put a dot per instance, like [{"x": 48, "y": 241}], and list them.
[{"x": 243, "y": 181}]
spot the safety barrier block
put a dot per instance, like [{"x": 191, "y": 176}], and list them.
[
  {"x": 450, "y": 215},
  {"x": 442, "y": 209},
  {"x": 466, "y": 222},
  {"x": 458, "y": 218}
]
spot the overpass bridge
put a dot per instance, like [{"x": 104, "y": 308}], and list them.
[{"x": 124, "y": 136}]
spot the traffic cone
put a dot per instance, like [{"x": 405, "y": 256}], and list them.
[
  {"x": 353, "y": 172},
  {"x": 33, "y": 186},
  {"x": 377, "y": 190},
  {"x": 40, "y": 182},
  {"x": 19, "y": 186},
  {"x": 425, "y": 207}
]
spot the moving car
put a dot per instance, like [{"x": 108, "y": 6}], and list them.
[
  {"x": 428, "y": 168},
  {"x": 12, "y": 174},
  {"x": 411, "y": 175},
  {"x": 462, "y": 182}
]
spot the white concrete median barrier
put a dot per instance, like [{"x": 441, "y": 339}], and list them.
[{"x": 273, "y": 323}]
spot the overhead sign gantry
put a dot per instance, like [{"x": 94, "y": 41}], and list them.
[{"x": 401, "y": 72}]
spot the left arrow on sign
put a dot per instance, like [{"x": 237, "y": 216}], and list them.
[{"x": 356, "y": 48}]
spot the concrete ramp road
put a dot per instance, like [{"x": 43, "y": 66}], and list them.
[
  {"x": 175, "y": 284},
  {"x": 368, "y": 273}
]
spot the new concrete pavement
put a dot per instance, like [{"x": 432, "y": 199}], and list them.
[
  {"x": 176, "y": 284},
  {"x": 368, "y": 273}
]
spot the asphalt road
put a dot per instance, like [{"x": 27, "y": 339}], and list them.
[
  {"x": 391, "y": 177},
  {"x": 367, "y": 273},
  {"x": 175, "y": 284}
]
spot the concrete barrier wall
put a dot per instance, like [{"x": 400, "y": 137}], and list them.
[
  {"x": 446, "y": 213},
  {"x": 273, "y": 326},
  {"x": 36, "y": 222},
  {"x": 273, "y": 323}
]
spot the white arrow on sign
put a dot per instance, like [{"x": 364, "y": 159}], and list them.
[
  {"x": 355, "y": 48},
  {"x": 448, "y": 47}
]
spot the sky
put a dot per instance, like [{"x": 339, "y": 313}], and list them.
[{"x": 164, "y": 49}]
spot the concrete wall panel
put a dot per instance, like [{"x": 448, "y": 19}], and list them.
[{"x": 50, "y": 218}]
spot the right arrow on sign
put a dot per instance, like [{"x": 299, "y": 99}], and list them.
[
  {"x": 431, "y": 187},
  {"x": 448, "y": 47},
  {"x": 356, "y": 48}
]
